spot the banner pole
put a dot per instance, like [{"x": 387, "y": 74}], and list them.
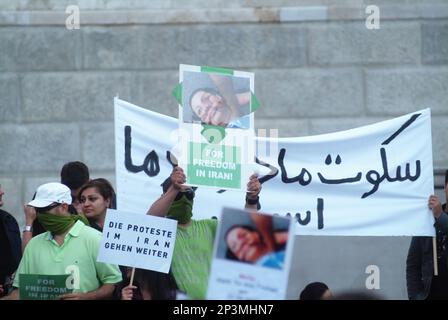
[
  {"x": 132, "y": 276},
  {"x": 434, "y": 252}
]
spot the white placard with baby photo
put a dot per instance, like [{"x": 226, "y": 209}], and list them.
[{"x": 252, "y": 256}]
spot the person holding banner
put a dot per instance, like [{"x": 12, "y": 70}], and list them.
[
  {"x": 195, "y": 238},
  {"x": 421, "y": 282},
  {"x": 69, "y": 246},
  {"x": 148, "y": 285}
]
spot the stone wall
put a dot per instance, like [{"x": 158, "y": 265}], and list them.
[{"x": 317, "y": 69}]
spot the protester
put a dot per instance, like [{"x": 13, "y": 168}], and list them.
[
  {"x": 148, "y": 285},
  {"x": 194, "y": 239},
  {"x": 96, "y": 197},
  {"x": 76, "y": 246},
  {"x": 316, "y": 291},
  {"x": 73, "y": 175},
  {"x": 10, "y": 251},
  {"x": 420, "y": 279}
]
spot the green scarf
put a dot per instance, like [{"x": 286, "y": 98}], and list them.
[
  {"x": 181, "y": 210},
  {"x": 59, "y": 224}
]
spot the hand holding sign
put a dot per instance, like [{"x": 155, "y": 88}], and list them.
[
  {"x": 253, "y": 187},
  {"x": 127, "y": 292},
  {"x": 435, "y": 205},
  {"x": 253, "y": 190},
  {"x": 178, "y": 178}
]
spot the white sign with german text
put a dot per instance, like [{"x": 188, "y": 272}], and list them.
[{"x": 135, "y": 240}]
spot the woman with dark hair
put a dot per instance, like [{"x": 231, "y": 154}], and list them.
[
  {"x": 316, "y": 291},
  {"x": 149, "y": 285},
  {"x": 96, "y": 196}
]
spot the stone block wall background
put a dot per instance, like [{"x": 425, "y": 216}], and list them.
[{"x": 318, "y": 69}]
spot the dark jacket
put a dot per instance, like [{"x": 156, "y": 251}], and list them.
[
  {"x": 419, "y": 263},
  {"x": 10, "y": 245}
]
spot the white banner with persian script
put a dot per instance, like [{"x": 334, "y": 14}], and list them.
[{"x": 369, "y": 181}]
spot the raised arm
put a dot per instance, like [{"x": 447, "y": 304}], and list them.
[
  {"x": 30, "y": 216},
  {"x": 161, "y": 206},
  {"x": 441, "y": 217}
]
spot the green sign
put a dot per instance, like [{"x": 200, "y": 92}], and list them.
[
  {"x": 42, "y": 286},
  {"x": 214, "y": 165}
]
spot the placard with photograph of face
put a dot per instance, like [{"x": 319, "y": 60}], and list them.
[
  {"x": 216, "y": 126},
  {"x": 216, "y": 99},
  {"x": 252, "y": 256}
]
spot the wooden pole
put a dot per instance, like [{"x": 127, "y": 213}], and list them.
[
  {"x": 434, "y": 252},
  {"x": 132, "y": 276}
]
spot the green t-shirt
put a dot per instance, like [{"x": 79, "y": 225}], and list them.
[
  {"x": 77, "y": 255},
  {"x": 192, "y": 257}
]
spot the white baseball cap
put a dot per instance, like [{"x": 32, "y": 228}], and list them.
[{"x": 49, "y": 193}]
